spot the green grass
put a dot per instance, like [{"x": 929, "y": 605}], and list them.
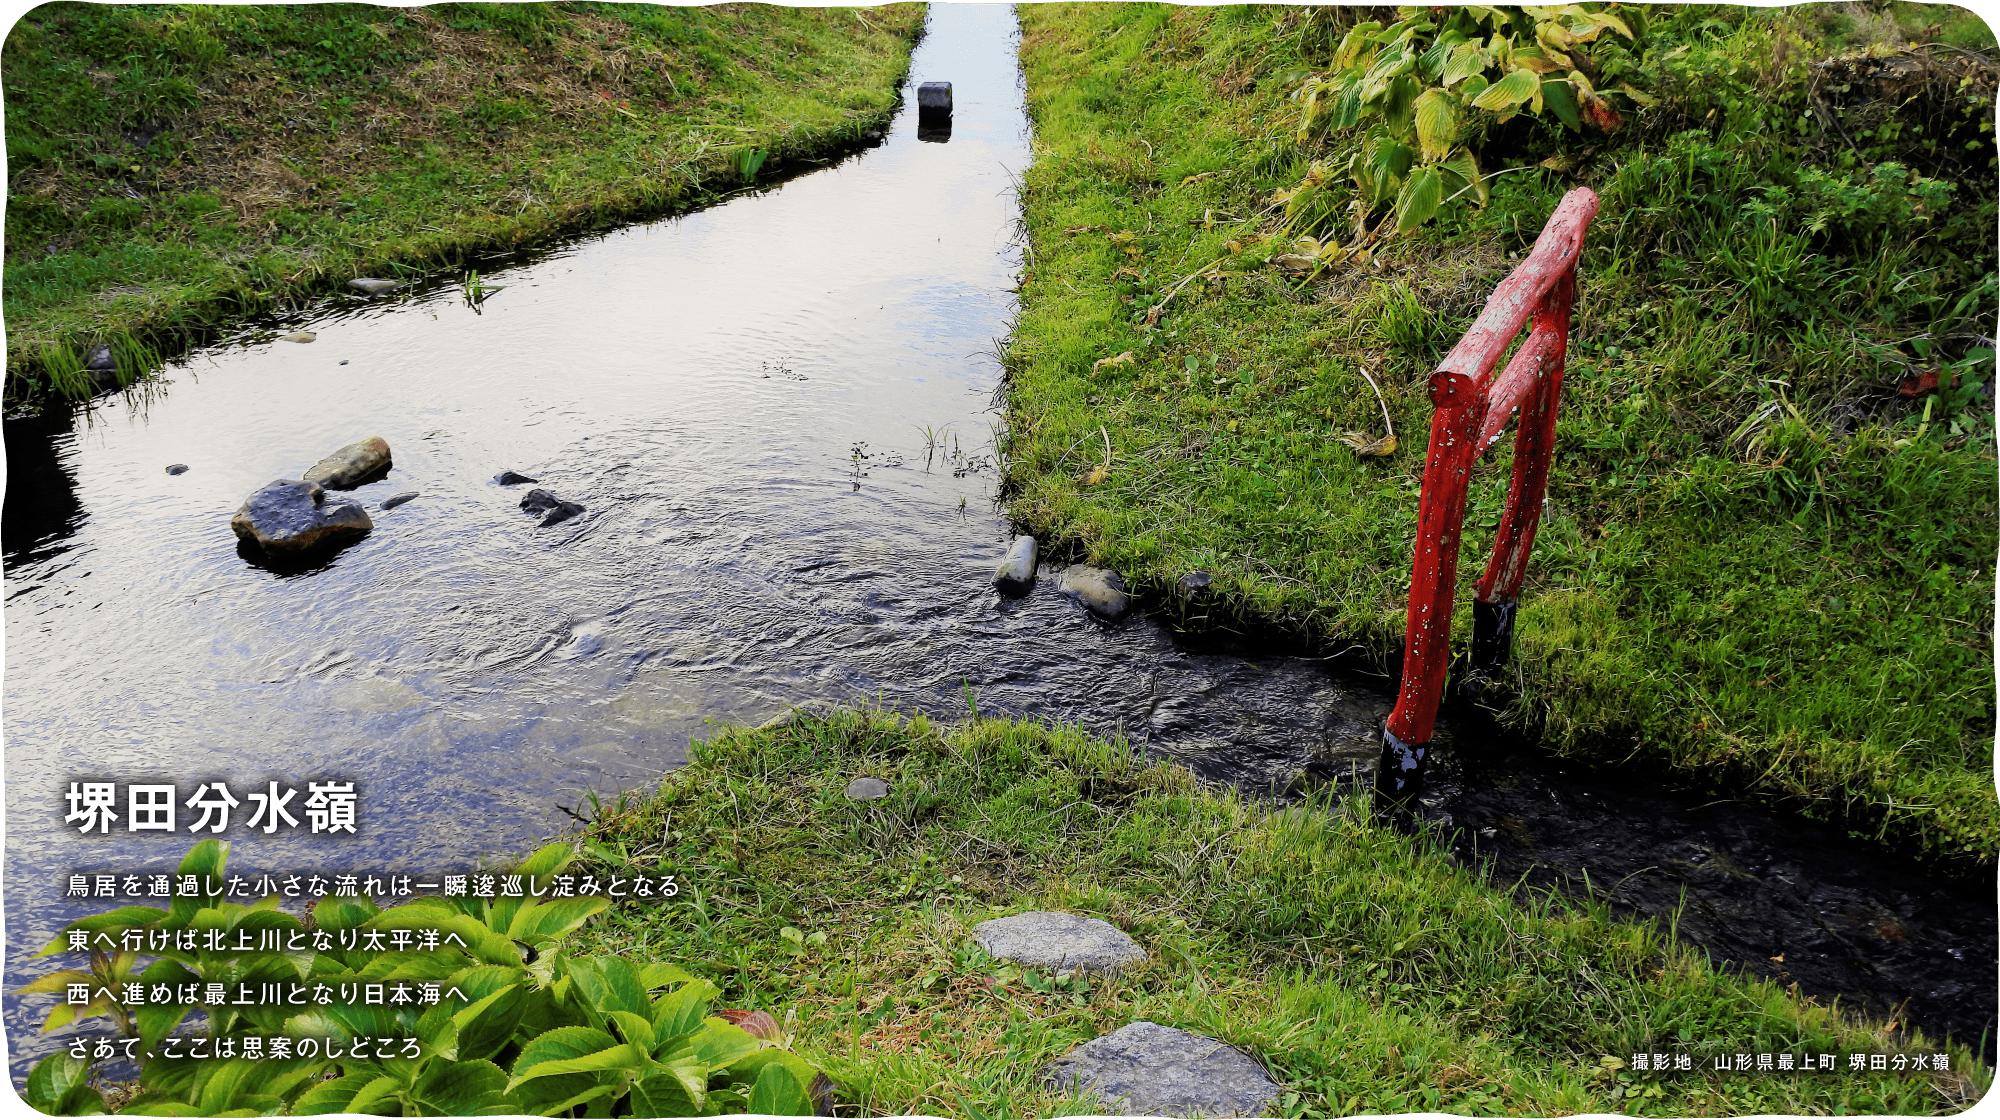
[
  {"x": 1366, "y": 973},
  {"x": 173, "y": 167},
  {"x": 1759, "y": 563}
]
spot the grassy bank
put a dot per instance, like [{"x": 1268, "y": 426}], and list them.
[
  {"x": 1761, "y": 562},
  {"x": 171, "y": 168},
  {"x": 1365, "y": 975}
]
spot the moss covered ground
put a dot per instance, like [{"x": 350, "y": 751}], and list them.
[
  {"x": 1767, "y": 558},
  {"x": 174, "y": 167}
]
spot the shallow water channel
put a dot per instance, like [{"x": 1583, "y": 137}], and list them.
[{"x": 778, "y": 412}]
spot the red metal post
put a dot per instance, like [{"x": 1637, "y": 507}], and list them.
[{"x": 1470, "y": 409}]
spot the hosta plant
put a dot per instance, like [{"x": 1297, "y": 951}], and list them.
[
  {"x": 522, "y": 1029},
  {"x": 1415, "y": 91}
]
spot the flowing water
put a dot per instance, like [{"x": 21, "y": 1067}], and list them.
[{"x": 779, "y": 414}]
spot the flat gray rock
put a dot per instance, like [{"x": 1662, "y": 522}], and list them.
[
  {"x": 808, "y": 710},
  {"x": 177, "y": 468},
  {"x": 867, "y": 789},
  {"x": 394, "y": 500},
  {"x": 1016, "y": 574},
  {"x": 1058, "y": 942},
  {"x": 369, "y": 285},
  {"x": 1145, "y": 1069},
  {"x": 358, "y": 462},
  {"x": 1100, "y": 590}
]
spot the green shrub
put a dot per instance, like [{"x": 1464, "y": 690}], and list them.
[{"x": 536, "y": 1032}]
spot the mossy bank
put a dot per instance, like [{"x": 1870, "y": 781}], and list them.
[
  {"x": 1368, "y": 974},
  {"x": 174, "y": 167},
  {"x": 1767, "y": 557}
]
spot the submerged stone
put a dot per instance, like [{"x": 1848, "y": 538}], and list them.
[
  {"x": 511, "y": 478},
  {"x": 1100, "y": 590},
  {"x": 1016, "y": 574},
  {"x": 297, "y": 336},
  {"x": 1145, "y": 1069},
  {"x": 177, "y": 468},
  {"x": 369, "y": 285},
  {"x": 394, "y": 500},
  {"x": 555, "y": 509},
  {"x": 1058, "y": 942},
  {"x": 352, "y": 465},
  {"x": 292, "y": 516}
]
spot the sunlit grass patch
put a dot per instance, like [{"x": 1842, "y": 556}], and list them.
[{"x": 1367, "y": 973}]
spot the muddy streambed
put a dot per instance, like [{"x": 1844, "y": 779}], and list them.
[{"x": 777, "y": 413}]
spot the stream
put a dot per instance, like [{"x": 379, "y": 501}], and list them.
[{"x": 789, "y": 496}]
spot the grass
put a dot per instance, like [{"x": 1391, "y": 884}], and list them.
[
  {"x": 1760, "y": 563},
  {"x": 174, "y": 167},
  {"x": 1367, "y": 974}
]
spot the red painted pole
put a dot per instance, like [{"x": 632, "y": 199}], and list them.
[{"x": 1470, "y": 408}]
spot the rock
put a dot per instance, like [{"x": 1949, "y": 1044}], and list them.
[
  {"x": 297, "y": 336},
  {"x": 1100, "y": 590},
  {"x": 1145, "y": 1069},
  {"x": 177, "y": 468},
  {"x": 394, "y": 500},
  {"x": 934, "y": 104},
  {"x": 509, "y": 478},
  {"x": 557, "y": 510},
  {"x": 867, "y": 789},
  {"x": 351, "y": 465},
  {"x": 1194, "y": 582},
  {"x": 292, "y": 516},
  {"x": 1058, "y": 942},
  {"x": 369, "y": 285},
  {"x": 1017, "y": 569},
  {"x": 100, "y": 360}
]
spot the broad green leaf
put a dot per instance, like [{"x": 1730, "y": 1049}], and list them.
[
  {"x": 206, "y": 861},
  {"x": 330, "y": 1096},
  {"x": 620, "y": 1058},
  {"x": 379, "y": 1097},
  {"x": 486, "y": 1026},
  {"x": 659, "y": 975},
  {"x": 56, "y": 982},
  {"x": 1465, "y": 61},
  {"x": 1422, "y": 192},
  {"x": 1356, "y": 48},
  {"x": 555, "y": 917},
  {"x": 1510, "y": 91},
  {"x": 1437, "y": 123},
  {"x": 681, "y": 1011},
  {"x": 1433, "y": 62},
  {"x": 219, "y": 1085},
  {"x": 778, "y": 1093},
  {"x": 52, "y": 1078},
  {"x": 720, "y": 1043},
  {"x": 1346, "y": 108},
  {"x": 664, "y": 1095},
  {"x": 1464, "y": 168},
  {"x": 559, "y": 1045},
  {"x": 1561, "y": 99},
  {"x": 637, "y": 1029},
  {"x": 1474, "y": 86},
  {"x": 687, "y": 1068},
  {"x": 1399, "y": 104},
  {"x": 459, "y": 1088},
  {"x": 155, "y": 1104}
]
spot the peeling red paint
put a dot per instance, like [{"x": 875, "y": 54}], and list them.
[{"x": 1471, "y": 408}]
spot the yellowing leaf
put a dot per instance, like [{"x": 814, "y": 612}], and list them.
[
  {"x": 1367, "y": 445},
  {"x": 1510, "y": 91},
  {"x": 1125, "y": 359},
  {"x": 1095, "y": 476},
  {"x": 1463, "y": 63},
  {"x": 1437, "y": 123},
  {"x": 1423, "y": 193}
]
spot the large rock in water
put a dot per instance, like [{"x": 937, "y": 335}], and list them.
[
  {"x": 351, "y": 465},
  {"x": 1145, "y": 1069},
  {"x": 1016, "y": 575},
  {"x": 1058, "y": 942},
  {"x": 1100, "y": 590},
  {"x": 292, "y": 516}
]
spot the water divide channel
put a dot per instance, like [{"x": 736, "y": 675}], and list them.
[{"x": 778, "y": 412}]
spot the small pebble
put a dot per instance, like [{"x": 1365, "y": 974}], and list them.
[
  {"x": 343, "y": 361},
  {"x": 177, "y": 468},
  {"x": 297, "y": 336}
]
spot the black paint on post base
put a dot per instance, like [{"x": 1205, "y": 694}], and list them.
[
  {"x": 1492, "y": 640},
  {"x": 934, "y": 112},
  {"x": 1399, "y": 778}
]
